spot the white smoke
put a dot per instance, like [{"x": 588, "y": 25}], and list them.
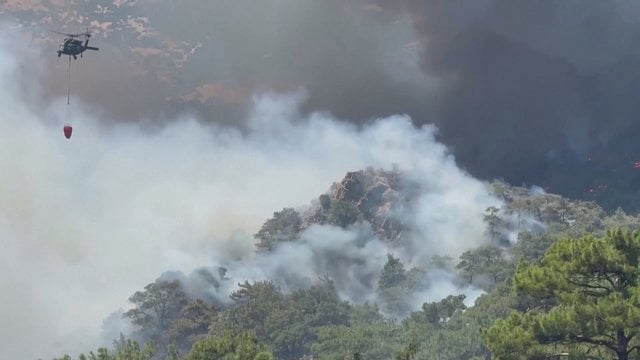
[{"x": 86, "y": 222}]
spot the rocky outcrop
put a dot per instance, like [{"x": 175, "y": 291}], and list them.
[{"x": 375, "y": 193}]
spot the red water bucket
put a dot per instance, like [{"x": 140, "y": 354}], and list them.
[{"x": 67, "y": 131}]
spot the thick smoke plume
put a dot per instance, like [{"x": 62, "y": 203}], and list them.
[
  {"x": 86, "y": 222},
  {"x": 535, "y": 92},
  {"x": 554, "y": 82}
]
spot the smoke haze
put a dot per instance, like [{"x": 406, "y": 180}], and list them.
[
  {"x": 196, "y": 120},
  {"x": 88, "y": 221},
  {"x": 537, "y": 93}
]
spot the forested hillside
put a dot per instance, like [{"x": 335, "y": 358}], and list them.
[{"x": 500, "y": 294}]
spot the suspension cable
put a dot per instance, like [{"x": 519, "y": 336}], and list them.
[{"x": 69, "y": 82}]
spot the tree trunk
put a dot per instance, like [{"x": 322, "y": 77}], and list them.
[
  {"x": 622, "y": 355},
  {"x": 622, "y": 344}
]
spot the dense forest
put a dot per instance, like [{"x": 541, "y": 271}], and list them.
[{"x": 556, "y": 278}]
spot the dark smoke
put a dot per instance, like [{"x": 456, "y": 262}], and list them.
[
  {"x": 538, "y": 92},
  {"x": 535, "y": 92}
]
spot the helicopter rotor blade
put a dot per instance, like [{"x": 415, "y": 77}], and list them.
[
  {"x": 87, "y": 34},
  {"x": 61, "y": 33}
]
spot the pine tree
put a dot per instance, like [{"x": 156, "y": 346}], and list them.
[{"x": 587, "y": 293}]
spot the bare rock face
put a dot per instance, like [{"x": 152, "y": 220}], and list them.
[
  {"x": 376, "y": 195},
  {"x": 351, "y": 188}
]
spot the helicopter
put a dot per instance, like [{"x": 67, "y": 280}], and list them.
[{"x": 74, "y": 47}]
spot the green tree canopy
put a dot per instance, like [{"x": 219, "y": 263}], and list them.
[
  {"x": 484, "y": 266},
  {"x": 229, "y": 347},
  {"x": 377, "y": 340},
  {"x": 125, "y": 349},
  {"x": 530, "y": 246},
  {"x": 343, "y": 213},
  {"x": 307, "y": 311},
  {"x": 438, "y": 312},
  {"x": 194, "y": 321},
  {"x": 395, "y": 285},
  {"x": 393, "y": 273},
  {"x": 587, "y": 299},
  {"x": 156, "y": 306},
  {"x": 283, "y": 226},
  {"x": 494, "y": 222}
]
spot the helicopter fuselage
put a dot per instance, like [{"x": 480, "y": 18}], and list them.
[{"x": 74, "y": 47}]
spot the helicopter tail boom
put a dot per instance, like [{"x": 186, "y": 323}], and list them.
[{"x": 92, "y": 48}]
